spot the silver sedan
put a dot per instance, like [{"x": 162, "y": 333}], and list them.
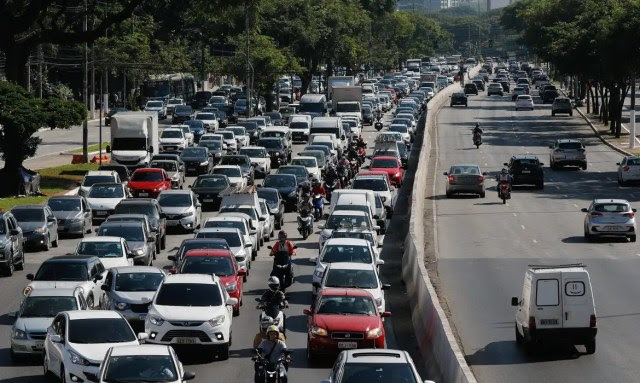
[
  {"x": 465, "y": 178},
  {"x": 610, "y": 217}
]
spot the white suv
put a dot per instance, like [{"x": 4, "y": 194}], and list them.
[
  {"x": 172, "y": 139},
  {"x": 191, "y": 309}
]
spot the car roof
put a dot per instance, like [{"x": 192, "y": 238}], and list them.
[
  {"x": 219, "y": 230},
  {"x": 336, "y": 291},
  {"x": 188, "y": 192},
  {"x": 52, "y": 292},
  {"x": 207, "y": 253},
  {"x": 376, "y": 356},
  {"x": 100, "y": 173},
  {"x": 565, "y": 140},
  {"x": 151, "y": 170},
  {"x": 385, "y": 158},
  {"x": 137, "y": 201},
  {"x": 524, "y": 157},
  {"x": 65, "y": 197},
  {"x": 208, "y": 279},
  {"x": 465, "y": 165},
  {"x": 226, "y": 218},
  {"x": 351, "y": 266},
  {"x": 351, "y": 198},
  {"x": 122, "y": 223},
  {"x": 105, "y": 238},
  {"x": 28, "y": 207},
  {"x": 227, "y": 166},
  {"x": 136, "y": 269},
  {"x": 346, "y": 241},
  {"x": 142, "y": 349},
  {"x": 349, "y": 212},
  {"x": 609, "y": 200},
  {"x": 93, "y": 314},
  {"x": 72, "y": 258}
]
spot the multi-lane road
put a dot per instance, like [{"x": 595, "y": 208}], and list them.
[
  {"x": 484, "y": 247},
  {"x": 239, "y": 367}
]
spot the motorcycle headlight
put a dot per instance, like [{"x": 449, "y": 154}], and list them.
[
  {"x": 39, "y": 230},
  {"x": 121, "y": 305},
  {"x": 156, "y": 320},
  {"x": 18, "y": 334},
  {"x": 217, "y": 321},
  {"x": 140, "y": 252},
  {"x": 231, "y": 286},
  {"x": 318, "y": 331},
  {"x": 374, "y": 333},
  {"x": 77, "y": 359}
]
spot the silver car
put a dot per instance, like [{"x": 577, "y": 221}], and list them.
[
  {"x": 609, "y": 217},
  {"x": 628, "y": 170},
  {"x": 173, "y": 170},
  {"x": 241, "y": 250},
  {"x": 181, "y": 208},
  {"x": 465, "y": 178}
]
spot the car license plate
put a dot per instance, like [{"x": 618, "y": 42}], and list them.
[
  {"x": 142, "y": 316},
  {"x": 101, "y": 213},
  {"x": 548, "y": 321},
  {"x": 38, "y": 345},
  {"x": 172, "y": 223},
  {"x": 143, "y": 194},
  {"x": 613, "y": 228},
  {"x": 526, "y": 171},
  {"x": 207, "y": 200},
  {"x": 347, "y": 344},
  {"x": 184, "y": 340}
]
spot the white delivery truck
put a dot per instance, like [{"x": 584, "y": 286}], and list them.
[
  {"x": 347, "y": 101},
  {"x": 334, "y": 81},
  {"x": 134, "y": 138},
  {"x": 330, "y": 126}
]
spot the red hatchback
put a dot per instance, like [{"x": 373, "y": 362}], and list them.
[
  {"x": 391, "y": 165},
  {"x": 343, "y": 319},
  {"x": 149, "y": 182},
  {"x": 219, "y": 262}
]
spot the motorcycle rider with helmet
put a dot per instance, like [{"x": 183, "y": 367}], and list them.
[
  {"x": 262, "y": 334},
  {"x": 318, "y": 188},
  {"x": 283, "y": 244},
  {"x": 477, "y": 129},
  {"x": 502, "y": 178},
  {"x": 272, "y": 349}
]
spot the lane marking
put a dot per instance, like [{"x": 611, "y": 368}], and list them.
[
  {"x": 575, "y": 205},
  {"x": 534, "y": 241},
  {"x": 514, "y": 214},
  {"x": 523, "y": 228}
]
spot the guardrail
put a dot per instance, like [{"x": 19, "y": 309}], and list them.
[{"x": 438, "y": 346}]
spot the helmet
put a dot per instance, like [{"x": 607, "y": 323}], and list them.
[
  {"x": 477, "y": 124},
  {"x": 504, "y": 171},
  {"x": 316, "y": 182},
  {"x": 282, "y": 235},
  {"x": 274, "y": 283},
  {"x": 265, "y": 323},
  {"x": 273, "y": 328}
]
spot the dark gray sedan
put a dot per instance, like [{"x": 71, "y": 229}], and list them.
[
  {"x": 465, "y": 178},
  {"x": 73, "y": 214},
  {"x": 39, "y": 226}
]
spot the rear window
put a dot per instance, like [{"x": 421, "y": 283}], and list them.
[
  {"x": 611, "y": 207},
  {"x": 547, "y": 292},
  {"x": 523, "y": 163},
  {"x": 570, "y": 145}
]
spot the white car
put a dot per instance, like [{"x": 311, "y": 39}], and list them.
[
  {"x": 269, "y": 219},
  {"x": 103, "y": 198},
  {"x": 240, "y": 132},
  {"x": 234, "y": 173},
  {"x": 112, "y": 251},
  {"x": 252, "y": 213},
  {"x": 77, "y": 342},
  {"x": 96, "y": 177},
  {"x": 143, "y": 363},
  {"x": 379, "y": 184},
  {"x": 172, "y": 139},
  {"x": 628, "y": 170},
  {"x": 171, "y": 104},
  {"x": 524, "y": 101},
  {"x": 191, "y": 309},
  {"x": 230, "y": 139},
  {"x": 343, "y": 250},
  {"x": 344, "y": 218},
  {"x": 36, "y": 314},
  {"x": 158, "y": 107},
  {"x": 310, "y": 163},
  {"x": 403, "y": 130},
  {"x": 214, "y": 137},
  {"x": 358, "y": 275},
  {"x": 234, "y": 220},
  {"x": 238, "y": 246},
  {"x": 209, "y": 120},
  {"x": 182, "y": 209},
  {"x": 259, "y": 158},
  {"x": 186, "y": 129}
]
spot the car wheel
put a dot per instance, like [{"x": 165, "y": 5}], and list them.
[
  {"x": 571, "y": 114},
  {"x": 482, "y": 194},
  {"x": 584, "y": 166},
  {"x": 540, "y": 185},
  {"x": 519, "y": 338},
  {"x": 590, "y": 346},
  {"x": 163, "y": 241},
  {"x": 84, "y": 231},
  {"x": 449, "y": 195},
  {"x": 632, "y": 238},
  {"x": 10, "y": 267},
  {"x": 20, "y": 266},
  {"x": 45, "y": 365},
  {"x": 588, "y": 236},
  {"x": 310, "y": 355},
  {"x": 63, "y": 375},
  {"x": 47, "y": 244},
  {"x": 55, "y": 243}
]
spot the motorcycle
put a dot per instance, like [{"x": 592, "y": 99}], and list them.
[
  {"x": 274, "y": 312},
  {"x": 362, "y": 154},
  {"x": 477, "y": 139},
  {"x": 355, "y": 167},
  {"x": 318, "y": 206},
  {"x": 282, "y": 268},
  {"x": 305, "y": 222},
  {"x": 504, "y": 192},
  {"x": 330, "y": 186},
  {"x": 378, "y": 125},
  {"x": 272, "y": 372},
  {"x": 343, "y": 174}
]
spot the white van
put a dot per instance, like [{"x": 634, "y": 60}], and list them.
[
  {"x": 557, "y": 302},
  {"x": 300, "y": 124},
  {"x": 331, "y": 126},
  {"x": 325, "y": 140},
  {"x": 369, "y": 194}
]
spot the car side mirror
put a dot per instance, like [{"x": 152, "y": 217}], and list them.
[
  {"x": 151, "y": 239},
  {"x": 307, "y": 312},
  {"x": 262, "y": 219},
  {"x": 380, "y": 262},
  {"x": 97, "y": 278},
  {"x": 150, "y": 149},
  {"x": 515, "y": 301},
  {"x": 584, "y": 210},
  {"x": 445, "y": 173},
  {"x": 13, "y": 314},
  {"x": 105, "y": 288},
  {"x": 385, "y": 314},
  {"x": 143, "y": 336},
  {"x": 633, "y": 210},
  {"x": 130, "y": 254},
  {"x": 232, "y": 301},
  {"x": 541, "y": 163},
  {"x": 188, "y": 375},
  {"x": 15, "y": 232},
  {"x": 505, "y": 164},
  {"x": 30, "y": 277},
  {"x": 55, "y": 338},
  {"x": 108, "y": 149},
  {"x": 316, "y": 285},
  {"x": 242, "y": 272},
  {"x": 618, "y": 163},
  {"x": 386, "y": 286}
]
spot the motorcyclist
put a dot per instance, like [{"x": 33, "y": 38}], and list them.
[
  {"x": 318, "y": 189},
  {"x": 477, "y": 129},
  {"x": 272, "y": 349},
  {"x": 378, "y": 115},
  {"x": 343, "y": 167},
  {"x": 262, "y": 334},
  {"x": 273, "y": 296},
  {"x": 504, "y": 177},
  {"x": 361, "y": 143},
  {"x": 283, "y": 243}
]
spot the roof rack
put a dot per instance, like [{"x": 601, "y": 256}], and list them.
[{"x": 564, "y": 266}]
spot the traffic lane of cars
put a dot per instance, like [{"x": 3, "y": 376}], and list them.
[{"x": 536, "y": 226}]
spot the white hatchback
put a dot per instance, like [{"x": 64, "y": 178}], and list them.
[{"x": 524, "y": 101}]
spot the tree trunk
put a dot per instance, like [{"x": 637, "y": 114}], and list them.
[
  {"x": 268, "y": 97},
  {"x": 15, "y": 65}
]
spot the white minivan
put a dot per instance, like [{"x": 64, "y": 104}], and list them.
[{"x": 557, "y": 303}]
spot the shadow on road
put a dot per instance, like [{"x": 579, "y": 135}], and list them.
[{"x": 508, "y": 352}]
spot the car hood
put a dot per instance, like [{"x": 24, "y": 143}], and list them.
[
  {"x": 153, "y": 109},
  {"x": 183, "y": 114},
  {"x": 388, "y": 170},
  {"x": 33, "y": 324},
  {"x": 134, "y": 245},
  {"x": 194, "y": 159},
  {"x": 235, "y": 180},
  {"x": 55, "y": 284},
  {"x": 175, "y": 209},
  {"x": 347, "y": 323},
  {"x": 187, "y": 313},
  {"x": 67, "y": 214},
  {"x": 286, "y": 190},
  {"x": 209, "y": 122},
  {"x": 103, "y": 203},
  {"x": 95, "y": 352},
  {"x": 134, "y": 297},
  {"x": 128, "y": 155},
  {"x": 208, "y": 190},
  {"x": 109, "y": 263},
  {"x": 30, "y": 226},
  {"x": 145, "y": 184},
  {"x": 171, "y": 140},
  {"x": 259, "y": 160}
]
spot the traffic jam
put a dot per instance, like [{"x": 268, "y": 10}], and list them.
[{"x": 200, "y": 223}]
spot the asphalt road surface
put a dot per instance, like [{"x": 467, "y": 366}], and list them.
[
  {"x": 239, "y": 367},
  {"x": 484, "y": 247}
]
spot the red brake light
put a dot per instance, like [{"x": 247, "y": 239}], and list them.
[
  {"x": 629, "y": 214},
  {"x": 592, "y": 321},
  {"x": 452, "y": 179},
  {"x": 480, "y": 179},
  {"x": 532, "y": 323},
  {"x": 594, "y": 214},
  {"x": 626, "y": 169},
  {"x": 503, "y": 186}
]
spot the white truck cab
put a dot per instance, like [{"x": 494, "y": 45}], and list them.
[{"x": 556, "y": 303}]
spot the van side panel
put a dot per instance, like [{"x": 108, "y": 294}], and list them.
[
  {"x": 548, "y": 304},
  {"x": 577, "y": 299}
]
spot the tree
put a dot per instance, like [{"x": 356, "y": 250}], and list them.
[{"x": 21, "y": 115}]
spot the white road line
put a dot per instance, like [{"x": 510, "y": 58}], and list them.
[
  {"x": 534, "y": 241},
  {"x": 523, "y": 228},
  {"x": 575, "y": 205},
  {"x": 514, "y": 214}
]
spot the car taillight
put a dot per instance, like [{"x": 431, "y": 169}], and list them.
[
  {"x": 452, "y": 179},
  {"x": 503, "y": 186},
  {"x": 594, "y": 214},
  {"x": 629, "y": 215},
  {"x": 480, "y": 179},
  {"x": 592, "y": 321},
  {"x": 626, "y": 169},
  {"x": 532, "y": 323}
]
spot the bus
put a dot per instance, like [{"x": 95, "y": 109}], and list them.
[{"x": 165, "y": 86}]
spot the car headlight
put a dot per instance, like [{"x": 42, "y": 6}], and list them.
[
  {"x": 374, "y": 333},
  {"x": 204, "y": 163},
  {"x": 18, "y": 334},
  {"x": 231, "y": 286},
  {"x": 77, "y": 359},
  {"x": 76, "y": 220},
  {"x": 217, "y": 321},
  {"x": 39, "y": 230},
  {"x": 140, "y": 252},
  {"x": 189, "y": 214},
  {"x": 318, "y": 331},
  {"x": 156, "y": 320},
  {"x": 121, "y": 305},
  {"x": 27, "y": 290},
  {"x": 218, "y": 154},
  {"x": 379, "y": 301}
]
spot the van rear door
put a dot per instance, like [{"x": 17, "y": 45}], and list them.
[
  {"x": 548, "y": 302},
  {"x": 577, "y": 300}
]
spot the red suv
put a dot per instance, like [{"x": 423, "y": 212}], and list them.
[
  {"x": 149, "y": 182},
  {"x": 343, "y": 319},
  {"x": 219, "y": 262},
  {"x": 391, "y": 165}
]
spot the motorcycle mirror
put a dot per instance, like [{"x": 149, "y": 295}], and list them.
[
  {"x": 505, "y": 164},
  {"x": 584, "y": 210},
  {"x": 257, "y": 299},
  {"x": 445, "y": 173}
]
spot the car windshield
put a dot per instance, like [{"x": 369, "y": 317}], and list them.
[
  {"x": 101, "y": 249},
  {"x": 611, "y": 207},
  {"x": 138, "y": 281},
  {"x": 155, "y": 104},
  {"x": 174, "y": 200},
  {"x": 64, "y": 204},
  {"x": 28, "y": 215},
  {"x": 375, "y": 184},
  {"x": 271, "y": 196},
  {"x": 211, "y": 145},
  {"x": 352, "y": 234},
  {"x": 47, "y": 307},
  {"x": 384, "y": 163},
  {"x": 272, "y": 133},
  {"x": 232, "y": 238},
  {"x": 212, "y": 137},
  {"x": 377, "y": 373},
  {"x": 130, "y": 233},
  {"x": 183, "y": 109},
  {"x": 189, "y": 294},
  {"x": 172, "y": 133},
  {"x": 360, "y": 279},
  {"x": 174, "y": 101},
  {"x": 227, "y": 135},
  {"x": 318, "y": 156},
  {"x": 524, "y": 163},
  {"x": 306, "y": 162},
  {"x": 346, "y": 305},
  {"x": 235, "y": 160},
  {"x": 220, "y": 266},
  {"x": 299, "y": 125},
  {"x": 112, "y": 330},
  {"x": 61, "y": 271},
  {"x": 205, "y": 116},
  {"x": 254, "y": 152},
  {"x": 336, "y": 221},
  {"x": 169, "y": 166},
  {"x": 570, "y": 145},
  {"x": 398, "y": 128},
  {"x": 275, "y": 181},
  {"x": 137, "y": 208},
  {"x": 271, "y": 144},
  {"x": 237, "y": 131},
  {"x": 229, "y": 172},
  {"x": 211, "y": 182},
  {"x": 226, "y": 224},
  {"x": 250, "y": 211},
  {"x": 201, "y": 244},
  {"x": 344, "y": 253},
  {"x": 107, "y": 191},
  {"x": 297, "y": 171},
  {"x": 195, "y": 125},
  {"x": 140, "y": 368},
  {"x": 144, "y": 176},
  {"x": 90, "y": 180}
]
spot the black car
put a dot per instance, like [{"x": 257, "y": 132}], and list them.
[
  {"x": 276, "y": 118},
  {"x": 107, "y": 118},
  {"x": 458, "y": 98},
  {"x": 549, "y": 95},
  {"x": 301, "y": 173},
  {"x": 367, "y": 115},
  {"x": 470, "y": 88},
  {"x": 223, "y": 119},
  {"x": 197, "y": 128},
  {"x": 505, "y": 86},
  {"x": 526, "y": 170},
  {"x": 287, "y": 186},
  {"x": 170, "y": 156},
  {"x": 197, "y": 160},
  {"x": 201, "y": 99},
  {"x": 244, "y": 162},
  {"x": 274, "y": 203},
  {"x": 216, "y": 150},
  {"x": 252, "y": 130},
  {"x": 210, "y": 188},
  {"x": 181, "y": 113},
  {"x": 151, "y": 208},
  {"x": 479, "y": 85},
  {"x": 277, "y": 148},
  {"x": 122, "y": 171},
  {"x": 11, "y": 240}
]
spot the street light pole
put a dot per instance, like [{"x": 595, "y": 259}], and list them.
[
  {"x": 632, "y": 131},
  {"x": 248, "y": 89}
]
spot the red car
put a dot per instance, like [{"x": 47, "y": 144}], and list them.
[
  {"x": 343, "y": 319},
  {"x": 149, "y": 182},
  {"x": 219, "y": 262},
  {"x": 391, "y": 166}
]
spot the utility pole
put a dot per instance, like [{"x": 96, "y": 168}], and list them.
[
  {"x": 40, "y": 62},
  {"x": 85, "y": 81},
  {"x": 92, "y": 100},
  {"x": 105, "y": 94},
  {"x": 248, "y": 89},
  {"x": 632, "y": 131},
  {"x": 29, "y": 74}
]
